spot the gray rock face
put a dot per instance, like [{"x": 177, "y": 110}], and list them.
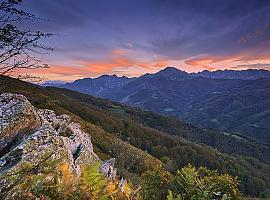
[
  {"x": 32, "y": 139},
  {"x": 18, "y": 118},
  {"x": 108, "y": 169}
]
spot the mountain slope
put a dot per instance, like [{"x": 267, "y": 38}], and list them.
[
  {"x": 104, "y": 143},
  {"x": 236, "y": 102},
  {"x": 223, "y": 141},
  {"x": 234, "y": 105},
  {"x": 121, "y": 131}
]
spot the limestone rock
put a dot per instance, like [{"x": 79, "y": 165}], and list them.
[
  {"x": 107, "y": 167},
  {"x": 34, "y": 140},
  {"x": 18, "y": 118}
]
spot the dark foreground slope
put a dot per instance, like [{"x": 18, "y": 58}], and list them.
[{"x": 121, "y": 131}]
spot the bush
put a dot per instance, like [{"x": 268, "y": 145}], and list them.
[{"x": 203, "y": 184}]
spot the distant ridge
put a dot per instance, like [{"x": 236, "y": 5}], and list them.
[
  {"x": 169, "y": 73},
  {"x": 99, "y": 86},
  {"x": 173, "y": 73},
  {"x": 249, "y": 74}
]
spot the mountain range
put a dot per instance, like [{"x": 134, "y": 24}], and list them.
[
  {"x": 249, "y": 74},
  {"x": 234, "y": 101}
]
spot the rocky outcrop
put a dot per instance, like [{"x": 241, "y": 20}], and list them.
[
  {"x": 34, "y": 140},
  {"x": 108, "y": 169},
  {"x": 18, "y": 119}
]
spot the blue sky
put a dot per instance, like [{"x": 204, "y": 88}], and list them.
[{"x": 132, "y": 37}]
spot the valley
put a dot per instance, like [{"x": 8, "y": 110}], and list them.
[{"x": 239, "y": 104}]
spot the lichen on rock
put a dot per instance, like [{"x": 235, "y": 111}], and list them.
[
  {"x": 18, "y": 118},
  {"x": 33, "y": 140}
]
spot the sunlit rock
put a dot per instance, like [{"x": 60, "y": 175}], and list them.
[{"x": 35, "y": 141}]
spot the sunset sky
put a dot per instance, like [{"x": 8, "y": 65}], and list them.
[{"x": 133, "y": 37}]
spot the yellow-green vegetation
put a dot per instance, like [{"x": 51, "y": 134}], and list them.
[
  {"x": 129, "y": 158},
  {"x": 190, "y": 184},
  {"x": 56, "y": 181},
  {"x": 204, "y": 184},
  {"x": 31, "y": 181},
  {"x": 155, "y": 184},
  {"x": 97, "y": 186}
]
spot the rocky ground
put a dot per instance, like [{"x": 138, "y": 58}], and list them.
[{"x": 35, "y": 141}]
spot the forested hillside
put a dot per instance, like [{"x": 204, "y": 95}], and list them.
[
  {"x": 234, "y": 101},
  {"x": 224, "y": 141},
  {"x": 120, "y": 132}
]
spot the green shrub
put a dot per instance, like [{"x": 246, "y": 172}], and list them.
[{"x": 203, "y": 184}]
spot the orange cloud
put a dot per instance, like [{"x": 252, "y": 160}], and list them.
[
  {"x": 130, "y": 62},
  {"x": 124, "y": 61},
  {"x": 123, "y": 65},
  {"x": 204, "y": 60},
  {"x": 207, "y": 60},
  {"x": 243, "y": 60},
  {"x": 252, "y": 56},
  {"x": 58, "y": 72},
  {"x": 62, "y": 70},
  {"x": 119, "y": 52},
  {"x": 109, "y": 65},
  {"x": 156, "y": 64}
]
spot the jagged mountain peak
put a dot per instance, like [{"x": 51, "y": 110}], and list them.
[
  {"x": 105, "y": 76},
  {"x": 171, "y": 73},
  {"x": 171, "y": 69},
  {"x": 98, "y": 86}
]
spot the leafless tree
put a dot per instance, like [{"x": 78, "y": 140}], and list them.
[{"x": 18, "y": 47}]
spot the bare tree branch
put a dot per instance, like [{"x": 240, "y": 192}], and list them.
[{"x": 18, "y": 48}]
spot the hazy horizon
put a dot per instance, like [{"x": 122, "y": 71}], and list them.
[{"x": 113, "y": 74}]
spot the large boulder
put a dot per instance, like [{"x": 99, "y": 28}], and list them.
[
  {"x": 18, "y": 118},
  {"x": 37, "y": 142}
]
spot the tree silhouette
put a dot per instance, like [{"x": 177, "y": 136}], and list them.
[{"x": 19, "y": 47}]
